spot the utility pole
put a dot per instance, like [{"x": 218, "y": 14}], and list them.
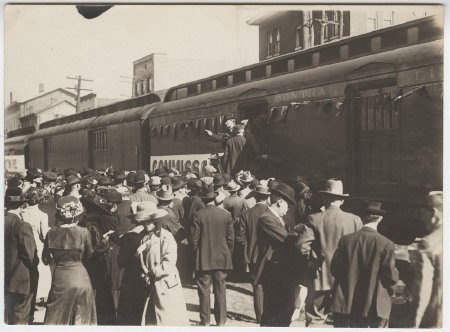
[{"x": 78, "y": 88}]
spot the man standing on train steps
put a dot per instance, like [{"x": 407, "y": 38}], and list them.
[{"x": 233, "y": 150}]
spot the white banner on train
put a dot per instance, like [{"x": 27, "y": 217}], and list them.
[
  {"x": 183, "y": 163},
  {"x": 15, "y": 163}
]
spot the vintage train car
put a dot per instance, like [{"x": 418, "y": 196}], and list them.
[
  {"x": 367, "y": 109},
  {"x": 110, "y": 135}
]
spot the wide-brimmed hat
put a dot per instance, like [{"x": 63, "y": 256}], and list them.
[
  {"x": 69, "y": 207},
  {"x": 246, "y": 177},
  {"x": 373, "y": 207},
  {"x": 262, "y": 190},
  {"x": 165, "y": 193},
  {"x": 208, "y": 193},
  {"x": 147, "y": 211},
  {"x": 210, "y": 169},
  {"x": 232, "y": 186},
  {"x": 130, "y": 178},
  {"x": 207, "y": 180},
  {"x": 50, "y": 176},
  {"x": 286, "y": 191},
  {"x": 72, "y": 180},
  {"x": 155, "y": 181},
  {"x": 334, "y": 187},
  {"x": 218, "y": 179},
  {"x": 13, "y": 196},
  {"x": 177, "y": 183},
  {"x": 32, "y": 174}
]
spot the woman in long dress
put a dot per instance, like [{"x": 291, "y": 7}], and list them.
[
  {"x": 165, "y": 304},
  {"x": 71, "y": 300}
]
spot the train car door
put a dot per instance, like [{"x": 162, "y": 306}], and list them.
[
  {"x": 256, "y": 112},
  {"x": 377, "y": 150},
  {"x": 47, "y": 147}
]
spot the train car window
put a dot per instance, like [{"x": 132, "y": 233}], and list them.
[
  {"x": 429, "y": 30},
  {"x": 207, "y": 86},
  {"x": 258, "y": 72},
  {"x": 239, "y": 77},
  {"x": 303, "y": 61},
  {"x": 279, "y": 67},
  {"x": 191, "y": 89},
  {"x": 222, "y": 81},
  {"x": 100, "y": 139},
  {"x": 394, "y": 38},
  {"x": 330, "y": 54},
  {"x": 359, "y": 47}
]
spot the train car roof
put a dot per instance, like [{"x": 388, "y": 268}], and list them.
[
  {"x": 408, "y": 57},
  {"x": 129, "y": 115}
]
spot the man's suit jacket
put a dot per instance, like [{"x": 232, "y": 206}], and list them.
[
  {"x": 236, "y": 205},
  {"x": 275, "y": 248},
  {"x": 213, "y": 239},
  {"x": 20, "y": 255},
  {"x": 326, "y": 229},
  {"x": 249, "y": 228},
  {"x": 232, "y": 153},
  {"x": 365, "y": 274}
]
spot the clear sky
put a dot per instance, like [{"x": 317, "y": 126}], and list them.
[{"x": 45, "y": 43}]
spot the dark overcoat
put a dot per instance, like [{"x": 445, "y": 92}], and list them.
[
  {"x": 212, "y": 239},
  {"x": 365, "y": 274},
  {"x": 20, "y": 255},
  {"x": 232, "y": 153}
]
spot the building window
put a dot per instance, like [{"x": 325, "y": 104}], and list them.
[
  {"x": 389, "y": 20},
  {"x": 331, "y": 30},
  {"x": 299, "y": 38},
  {"x": 149, "y": 85},
  {"x": 269, "y": 44},
  {"x": 144, "y": 86},
  {"x": 100, "y": 140},
  {"x": 372, "y": 22},
  {"x": 277, "y": 37}
]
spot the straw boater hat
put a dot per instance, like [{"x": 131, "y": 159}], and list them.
[
  {"x": 262, "y": 190},
  {"x": 155, "y": 181},
  {"x": 148, "y": 211},
  {"x": 232, "y": 186},
  {"x": 165, "y": 193},
  {"x": 334, "y": 187}
]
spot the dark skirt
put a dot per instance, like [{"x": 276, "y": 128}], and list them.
[{"x": 71, "y": 300}]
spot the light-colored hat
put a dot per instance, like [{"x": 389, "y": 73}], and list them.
[
  {"x": 165, "y": 193},
  {"x": 147, "y": 211},
  {"x": 210, "y": 169},
  {"x": 232, "y": 186},
  {"x": 155, "y": 181},
  {"x": 334, "y": 187},
  {"x": 262, "y": 190},
  {"x": 246, "y": 177},
  {"x": 207, "y": 180}
]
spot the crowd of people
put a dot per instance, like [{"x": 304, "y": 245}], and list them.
[{"x": 115, "y": 247}]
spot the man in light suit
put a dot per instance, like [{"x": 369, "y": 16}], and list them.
[
  {"x": 212, "y": 241},
  {"x": 322, "y": 235},
  {"x": 365, "y": 275}
]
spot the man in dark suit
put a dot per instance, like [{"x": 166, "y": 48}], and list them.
[
  {"x": 233, "y": 150},
  {"x": 20, "y": 261},
  {"x": 275, "y": 266},
  {"x": 365, "y": 275},
  {"x": 213, "y": 240},
  {"x": 248, "y": 236}
]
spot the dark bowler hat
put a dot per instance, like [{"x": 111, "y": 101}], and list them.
[
  {"x": 253, "y": 184},
  {"x": 373, "y": 207},
  {"x": 69, "y": 172},
  {"x": 14, "y": 197},
  {"x": 87, "y": 171},
  {"x": 177, "y": 183},
  {"x": 218, "y": 179},
  {"x": 14, "y": 181},
  {"x": 262, "y": 190},
  {"x": 130, "y": 177},
  {"x": 72, "y": 180},
  {"x": 139, "y": 178},
  {"x": 272, "y": 184},
  {"x": 113, "y": 196},
  {"x": 104, "y": 181},
  {"x": 33, "y": 174},
  {"x": 160, "y": 172},
  {"x": 194, "y": 183},
  {"x": 229, "y": 117},
  {"x": 166, "y": 180},
  {"x": 50, "y": 176},
  {"x": 286, "y": 191},
  {"x": 119, "y": 175},
  {"x": 207, "y": 193}
]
